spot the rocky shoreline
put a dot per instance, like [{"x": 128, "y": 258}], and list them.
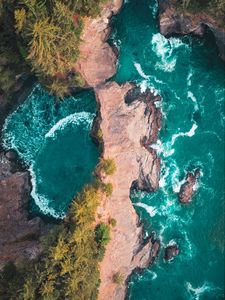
[
  {"x": 174, "y": 22},
  {"x": 19, "y": 235},
  {"x": 122, "y": 111}
]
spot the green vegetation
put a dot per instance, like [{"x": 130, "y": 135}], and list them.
[
  {"x": 44, "y": 35},
  {"x": 214, "y": 8},
  {"x": 107, "y": 188},
  {"x": 118, "y": 278},
  {"x": 108, "y": 166},
  {"x": 112, "y": 222},
  {"x": 68, "y": 269}
]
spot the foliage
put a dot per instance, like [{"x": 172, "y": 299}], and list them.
[
  {"x": 118, "y": 278},
  {"x": 112, "y": 222},
  {"x": 108, "y": 166},
  {"x": 45, "y": 34},
  {"x": 68, "y": 269},
  {"x": 107, "y": 188},
  {"x": 102, "y": 234},
  {"x": 215, "y": 8}
]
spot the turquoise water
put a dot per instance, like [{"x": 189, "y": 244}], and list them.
[
  {"x": 189, "y": 76},
  {"x": 52, "y": 137}
]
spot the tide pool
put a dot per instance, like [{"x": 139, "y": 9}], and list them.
[{"x": 190, "y": 78}]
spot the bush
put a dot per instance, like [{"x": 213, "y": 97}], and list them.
[
  {"x": 107, "y": 165},
  {"x": 102, "y": 234},
  {"x": 118, "y": 278},
  {"x": 112, "y": 222},
  {"x": 107, "y": 189}
]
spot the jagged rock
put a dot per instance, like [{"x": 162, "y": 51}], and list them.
[
  {"x": 18, "y": 235},
  {"x": 171, "y": 251},
  {"x": 188, "y": 188},
  {"x": 124, "y": 127},
  {"x": 98, "y": 60},
  {"x": 175, "y": 22},
  {"x": 155, "y": 250}
]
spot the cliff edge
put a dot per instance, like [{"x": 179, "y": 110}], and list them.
[{"x": 181, "y": 22}]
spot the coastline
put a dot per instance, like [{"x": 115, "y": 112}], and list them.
[{"x": 173, "y": 22}]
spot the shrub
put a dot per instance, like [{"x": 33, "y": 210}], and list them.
[
  {"x": 107, "y": 188},
  {"x": 118, "y": 278},
  {"x": 107, "y": 165},
  {"x": 112, "y": 222},
  {"x": 102, "y": 234}
]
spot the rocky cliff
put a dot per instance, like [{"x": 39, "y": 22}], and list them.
[
  {"x": 129, "y": 122},
  {"x": 127, "y": 132},
  {"x": 173, "y": 21},
  {"x": 18, "y": 235}
]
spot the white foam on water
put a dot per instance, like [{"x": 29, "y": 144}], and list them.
[
  {"x": 194, "y": 100},
  {"x": 41, "y": 200},
  {"x": 153, "y": 274},
  {"x": 163, "y": 48},
  {"x": 76, "y": 118},
  {"x": 196, "y": 293},
  {"x": 140, "y": 71},
  {"x": 151, "y": 210},
  {"x": 189, "y": 133}
]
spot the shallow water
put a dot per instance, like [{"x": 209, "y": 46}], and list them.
[
  {"x": 52, "y": 137},
  {"x": 189, "y": 76}
]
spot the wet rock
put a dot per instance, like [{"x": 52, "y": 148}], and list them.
[
  {"x": 155, "y": 250},
  {"x": 188, "y": 188},
  {"x": 172, "y": 22},
  {"x": 18, "y": 235},
  {"x": 11, "y": 155},
  {"x": 170, "y": 252}
]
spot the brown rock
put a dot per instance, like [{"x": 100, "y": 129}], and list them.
[
  {"x": 97, "y": 60},
  {"x": 187, "y": 189},
  {"x": 18, "y": 234},
  {"x": 173, "y": 22},
  {"x": 171, "y": 252},
  {"x": 124, "y": 127}
]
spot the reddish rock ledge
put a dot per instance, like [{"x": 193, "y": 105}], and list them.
[
  {"x": 174, "y": 22},
  {"x": 19, "y": 236},
  {"x": 187, "y": 189},
  {"x": 124, "y": 128}
]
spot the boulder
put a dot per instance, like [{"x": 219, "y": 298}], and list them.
[
  {"x": 187, "y": 189},
  {"x": 170, "y": 252}
]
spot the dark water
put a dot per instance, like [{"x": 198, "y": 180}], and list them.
[
  {"x": 53, "y": 139},
  {"x": 189, "y": 76},
  {"x": 187, "y": 73}
]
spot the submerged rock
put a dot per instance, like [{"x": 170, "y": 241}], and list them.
[
  {"x": 174, "y": 22},
  {"x": 188, "y": 187},
  {"x": 170, "y": 252},
  {"x": 18, "y": 235}
]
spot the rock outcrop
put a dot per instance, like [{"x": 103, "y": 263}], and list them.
[
  {"x": 98, "y": 60},
  {"x": 127, "y": 131},
  {"x": 170, "y": 252},
  {"x": 187, "y": 189},
  {"x": 18, "y": 235},
  {"x": 174, "y": 22}
]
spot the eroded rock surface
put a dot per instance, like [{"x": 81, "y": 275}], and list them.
[
  {"x": 98, "y": 60},
  {"x": 18, "y": 235},
  {"x": 173, "y": 22},
  {"x": 127, "y": 131},
  {"x": 187, "y": 189}
]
